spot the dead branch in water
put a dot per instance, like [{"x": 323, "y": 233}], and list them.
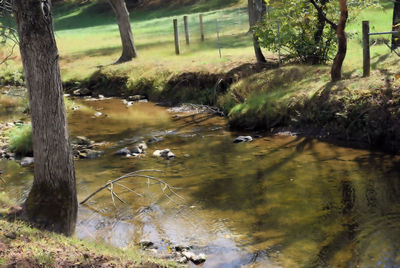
[{"x": 136, "y": 174}]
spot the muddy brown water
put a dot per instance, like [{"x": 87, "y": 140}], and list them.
[{"x": 278, "y": 201}]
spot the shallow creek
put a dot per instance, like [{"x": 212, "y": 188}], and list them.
[{"x": 279, "y": 201}]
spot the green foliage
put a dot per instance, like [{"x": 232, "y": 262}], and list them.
[
  {"x": 21, "y": 140},
  {"x": 303, "y": 35},
  {"x": 47, "y": 259},
  {"x": 10, "y": 76}
]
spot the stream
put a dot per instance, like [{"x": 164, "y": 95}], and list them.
[{"x": 279, "y": 201}]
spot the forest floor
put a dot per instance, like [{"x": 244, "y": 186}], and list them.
[{"x": 24, "y": 246}]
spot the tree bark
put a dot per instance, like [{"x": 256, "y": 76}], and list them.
[
  {"x": 52, "y": 201},
  {"x": 125, "y": 30},
  {"x": 319, "y": 34},
  {"x": 396, "y": 21},
  {"x": 336, "y": 71},
  {"x": 257, "y": 10}
]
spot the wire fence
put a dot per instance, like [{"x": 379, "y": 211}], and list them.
[{"x": 227, "y": 28}]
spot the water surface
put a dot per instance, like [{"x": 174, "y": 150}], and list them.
[{"x": 278, "y": 201}]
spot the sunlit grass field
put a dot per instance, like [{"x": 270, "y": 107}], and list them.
[
  {"x": 83, "y": 50},
  {"x": 88, "y": 38}
]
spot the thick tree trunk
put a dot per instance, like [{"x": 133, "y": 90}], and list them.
[
  {"x": 52, "y": 201},
  {"x": 257, "y": 11},
  {"x": 124, "y": 25},
  {"x": 396, "y": 21},
  {"x": 336, "y": 71}
]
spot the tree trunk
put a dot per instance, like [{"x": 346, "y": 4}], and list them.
[
  {"x": 336, "y": 71},
  {"x": 124, "y": 25},
  {"x": 52, "y": 201},
  {"x": 257, "y": 11},
  {"x": 318, "y": 35},
  {"x": 396, "y": 21}
]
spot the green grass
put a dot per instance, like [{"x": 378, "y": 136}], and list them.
[
  {"x": 92, "y": 39},
  {"x": 88, "y": 37},
  {"x": 21, "y": 140},
  {"x": 29, "y": 247}
]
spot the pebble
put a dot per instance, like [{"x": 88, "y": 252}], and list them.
[
  {"x": 27, "y": 161},
  {"x": 124, "y": 151},
  {"x": 243, "y": 139},
  {"x": 146, "y": 244},
  {"x": 166, "y": 154}
]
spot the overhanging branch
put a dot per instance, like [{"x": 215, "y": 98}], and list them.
[{"x": 323, "y": 15}]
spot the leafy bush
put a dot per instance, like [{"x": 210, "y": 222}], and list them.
[
  {"x": 21, "y": 140},
  {"x": 303, "y": 35},
  {"x": 8, "y": 76}
]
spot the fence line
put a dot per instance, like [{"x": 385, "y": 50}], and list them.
[{"x": 367, "y": 47}]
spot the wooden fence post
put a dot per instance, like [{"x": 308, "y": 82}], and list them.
[
  {"x": 279, "y": 42},
  {"x": 366, "y": 49},
  {"x": 176, "y": 36},
  {"x": 187, "y": 35},
  {"x": 201, "y": 27},
  {"x": 218, "y": 39}
]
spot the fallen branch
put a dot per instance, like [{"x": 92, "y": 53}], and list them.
[{"x": 136, "y": 174}]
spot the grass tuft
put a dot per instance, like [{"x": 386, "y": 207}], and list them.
[{"x": 21, "y": 140}]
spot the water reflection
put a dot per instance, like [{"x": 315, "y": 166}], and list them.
[{"x": 278, "y": 201}]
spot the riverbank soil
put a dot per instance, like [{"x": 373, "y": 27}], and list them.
[{"x": 24, "y": 246}]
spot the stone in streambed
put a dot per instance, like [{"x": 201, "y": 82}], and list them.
[
  {"x": 81, "y": 140},
  {"x": 243, "y": 139},
  {"x": 146, "y": 244},
  {"x": 155, "y": 139},
  {"x": 27, "y": 161},
  {"x": 82, "y": 92},
  {"x": 142, "y": 145},
  {"x": 90, "y": 154},
  {"x": 136, "y": 98},
  {"x": 166, "y": 154},
  {"x": 181, "y": 248},
  {"x": 135, "y": 150},
  {"x": 124, "y": 151},
  {"x": 196, "y": 259}
]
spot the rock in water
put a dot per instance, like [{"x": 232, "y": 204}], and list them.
[
  {"x": 81, "y": 140},
  {"x": 166, "y": 153},
  {"x": 143, "y": 146},
  {"x": 27, "y": 161},
  {"x": 136, "y": 98},
  {"x": 90, "y": 154},
  {"x": 82, "y": 92},
  {"x": 243, "y": 139},
  {"x": 196, "y": 259},
  {"x": 182, "y": 260},
  {"x": 124, "y": 151},
  {"x": 181, "y": 248},
  {"x": 139, "y": 148},
  {"x": 136, "y": 150},
  {"x": 146, "y": 244},
  {"x": 154, "y": 140}
]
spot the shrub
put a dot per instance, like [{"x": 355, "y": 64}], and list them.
[
  {"x": 303, "y": 36},
  {"x": 21, "y": 140}
]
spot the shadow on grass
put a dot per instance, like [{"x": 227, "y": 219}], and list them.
[{"x": 97, "y": 13}]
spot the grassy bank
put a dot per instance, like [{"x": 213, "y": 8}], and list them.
[{"x": 23, "y": 246}]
